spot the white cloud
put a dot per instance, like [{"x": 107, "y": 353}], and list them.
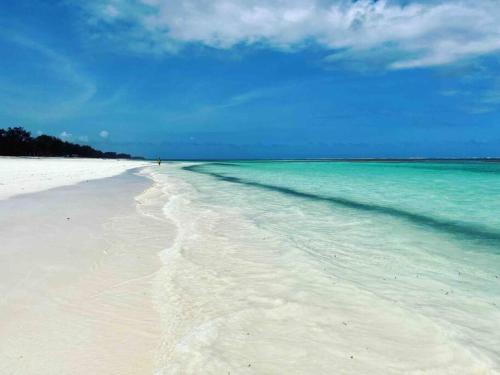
[
  {"x": 104, "y": 134},
  {"x": 83, "y": 138},
  {"x": 65, "y": 135},
  {"x": 111, "y": 11},
  {"x": 417, "y": 34}
]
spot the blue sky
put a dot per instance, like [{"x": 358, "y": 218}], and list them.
[{"x": 256, "y": 79}]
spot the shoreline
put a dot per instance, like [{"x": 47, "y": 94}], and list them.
[
  {"x": 265, "y": 282},
  {"x": 80, "y": 263},
  {"x": 160, "y": 270}
]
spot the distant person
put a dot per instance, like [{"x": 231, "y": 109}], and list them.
[{"x": 159, "y": 161}]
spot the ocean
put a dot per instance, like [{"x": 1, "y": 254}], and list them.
[{"x": 331, "y": 267}]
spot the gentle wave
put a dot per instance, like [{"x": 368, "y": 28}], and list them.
[
  {"x": 451, "y": 227},
  {"x": 266, "y": 283}
]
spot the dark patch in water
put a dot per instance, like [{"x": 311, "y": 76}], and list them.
[
  {"x": 448, "y": 226},
  {"x": 222, "y": 164}
]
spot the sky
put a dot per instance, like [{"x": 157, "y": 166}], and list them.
[{"x": 226, "y": 79}]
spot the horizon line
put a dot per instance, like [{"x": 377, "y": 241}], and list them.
[{"x": 409, "y": 159}]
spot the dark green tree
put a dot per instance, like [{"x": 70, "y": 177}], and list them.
[
  {"x": 15, "y": 141},
  {"x": 18, "y": 142}
]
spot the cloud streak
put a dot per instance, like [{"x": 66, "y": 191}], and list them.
[
  {"x": 417, "y": 34},
  {"x": 208, "y": 109},
  {"x": 51, "y": 73}
]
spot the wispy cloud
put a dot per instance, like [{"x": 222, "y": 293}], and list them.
[
  {"x": 414, "y": 33},
  {"x": 488, "y": 101},
  {"x": 248, "y": 97},
  {"x": 206, "y": 109},
  {"x": 57, "y": 88},
  {"x": 477, "y": 93},
  {"x": 492, "y": 97}
]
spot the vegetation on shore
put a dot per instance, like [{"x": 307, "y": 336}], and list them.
[{"x": 17, "y": 141}]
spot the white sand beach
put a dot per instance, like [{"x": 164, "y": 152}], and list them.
[
  {"x": 123, "y": 267},
  {"x": 76, "y": 267},
  {"x": 22, "y": 175},
  {"x": 260, "y": 187}
]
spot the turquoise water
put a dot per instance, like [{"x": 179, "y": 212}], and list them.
[
  {"x": 461, "y": 199},
  {"x": 387, "y": 267}
]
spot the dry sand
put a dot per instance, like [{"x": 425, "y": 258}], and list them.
[
  {"x": 20, "y": 175},
  {"x": 77, "y": 265}
]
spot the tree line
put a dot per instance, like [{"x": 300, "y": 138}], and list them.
[{"x": 17, "y": 141}]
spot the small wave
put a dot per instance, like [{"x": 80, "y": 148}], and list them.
[{"x": 455, "y": 228}]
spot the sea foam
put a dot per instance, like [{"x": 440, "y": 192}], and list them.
[{"x": 262, "y": 280}]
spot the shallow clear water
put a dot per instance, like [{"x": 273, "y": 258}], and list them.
[{"x": 333, "y": 267}]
